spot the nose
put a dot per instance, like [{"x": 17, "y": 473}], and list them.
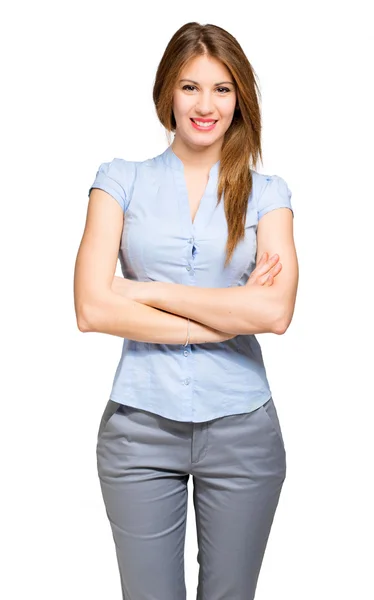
[{"x": 205, "y": 104}]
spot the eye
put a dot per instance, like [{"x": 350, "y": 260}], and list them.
[{"x": 192, "y": 87}]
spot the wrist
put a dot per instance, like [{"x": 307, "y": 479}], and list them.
[{"x": 188, "y": 338}]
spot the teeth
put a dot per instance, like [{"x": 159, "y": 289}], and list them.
[{"x": 200, "y": 124}]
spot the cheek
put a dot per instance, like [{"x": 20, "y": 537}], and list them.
[
  {"x": 228, "y": 110},
  {"x": 182, "y": 105}
]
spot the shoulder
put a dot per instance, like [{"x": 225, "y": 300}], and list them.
[
  {"x": 123, "y": 169},
  {"x": 118, "y": 169},
  {"x": 261, "y": 182},
  {"x": 270, "y": 192},
  {"x": 118, "y": 177},
  {"x": 115, "y": 177}
]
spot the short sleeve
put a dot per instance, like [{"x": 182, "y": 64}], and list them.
[
  {"x": 113, "y": 178},
  {"x": 274, "y": 194}
]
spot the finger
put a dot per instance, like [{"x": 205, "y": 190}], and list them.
[
  {"x": 259, "y": 264},
  {"x": 269, "y": 280},
  {"x": 269, "y": 277},
  {"x": 263, "y": 279},
  {"x": 276, "y": 268},
  {"x": 269, "y": 264},
  {"x": 262, "y": 259}
]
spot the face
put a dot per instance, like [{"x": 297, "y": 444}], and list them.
[{"x": 205, "y": 90}]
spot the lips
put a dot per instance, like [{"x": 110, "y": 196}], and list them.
[
  {"x": 204, "y": 120},
  {"x": 205, "y": 126}
]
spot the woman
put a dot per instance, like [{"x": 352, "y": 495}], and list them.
[{"x": 190, "y": 393}]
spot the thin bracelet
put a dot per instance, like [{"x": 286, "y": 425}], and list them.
[{"x": 188, "y": 334}]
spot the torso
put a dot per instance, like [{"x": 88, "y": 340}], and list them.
[{"x": 196, "y": 185}]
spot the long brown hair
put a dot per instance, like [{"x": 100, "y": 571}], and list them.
[{"x": 241, "y": 148}]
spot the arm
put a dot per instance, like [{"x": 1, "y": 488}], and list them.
[
  {"x": 244, "y": 309},
  {"x": 238, "y": 311},
  {"x": 98, "y": 308},
  {"x": 123, "y": 317}
]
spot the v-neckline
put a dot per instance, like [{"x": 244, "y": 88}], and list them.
[
  {"x": 199, "y": 206},
  {"x": 176, "y": 164},
  {"x": 198, "y": 220}
]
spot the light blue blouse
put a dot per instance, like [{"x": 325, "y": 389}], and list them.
[{"x": 160, "y": 242}]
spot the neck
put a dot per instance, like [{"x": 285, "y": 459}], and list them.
[{"x": 201, "y": 158}]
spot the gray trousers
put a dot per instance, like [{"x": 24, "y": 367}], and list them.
[{"x": 238, "y": 464}]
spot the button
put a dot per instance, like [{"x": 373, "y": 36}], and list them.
[
  {"x": 190, "y": 240},
  {"x": 188, "y": 267},
  {"x": 186, "y": 381},
  {"x": 186, "y": 353}
]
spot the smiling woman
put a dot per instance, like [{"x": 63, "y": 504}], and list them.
[
  {"x": 202, "y": 103},
  {"x": 215, "y": 82},
  {"x": 206, "y": 249},
  {"x": 200, "y": 123}
]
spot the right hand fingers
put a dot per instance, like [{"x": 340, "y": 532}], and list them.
[
  {"x": 268, "y": 279},
  {"x": 264, "y": 266}
]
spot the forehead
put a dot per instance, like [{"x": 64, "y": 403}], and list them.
[{"x": 205, "y": 68}]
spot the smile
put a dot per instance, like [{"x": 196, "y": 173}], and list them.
[{"x": 203, "y": 125}]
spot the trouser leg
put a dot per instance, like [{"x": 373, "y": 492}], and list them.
[
  {"x": 141, "y": 460},
  {"x": 237, "y": 484}
]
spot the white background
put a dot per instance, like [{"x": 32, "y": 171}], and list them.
[{"x": 77, "y": 83}]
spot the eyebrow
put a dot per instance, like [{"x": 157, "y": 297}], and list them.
[{"x": 219, "y": 83}]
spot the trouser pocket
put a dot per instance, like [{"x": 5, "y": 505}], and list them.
[
  {"x": 110, "y": 409},
  {"x": 271, "y": 413}
]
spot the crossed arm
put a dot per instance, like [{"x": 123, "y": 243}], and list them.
[
  {"x": 157, "y": 311},
  {"x": 239, "y": 310},
  {"x": 243, "y": 309}
]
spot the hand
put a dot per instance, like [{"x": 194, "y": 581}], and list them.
[
  {"x": 263, "y": 274},
  {"x": 265, "y": 271}
]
